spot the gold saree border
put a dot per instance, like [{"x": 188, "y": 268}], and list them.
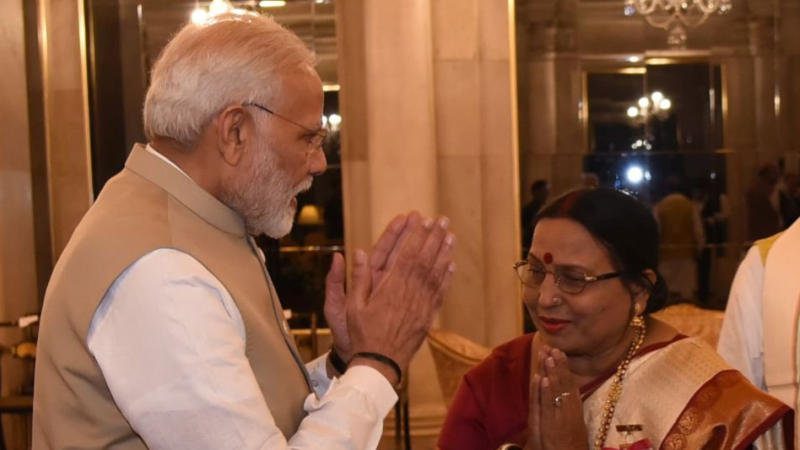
[
  {"x": 727, "y": 412},
  {"x": 670, "y": 380}
]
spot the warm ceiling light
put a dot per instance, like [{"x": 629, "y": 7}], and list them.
[
  {"x": 657, "y": 96},
  {"x": 272, "y": 3},
  {"x": 219, "y": 7},
  {"x": 199, "y": 16}
]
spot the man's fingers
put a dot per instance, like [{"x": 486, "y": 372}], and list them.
[
  {"x": 334, "y": 281},
  {"x": 335, "y": 308},
  {"x": 434, "y": 243},
  {"x": 415, "y": 234},
  {"x": 444, "y": 259},
  {"x": 387, "y": 243},
  {"x": 444, "y": 284},
  {"x": 362, "y": 278}
]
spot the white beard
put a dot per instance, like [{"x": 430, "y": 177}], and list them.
[{"x": 263, "y": 196}]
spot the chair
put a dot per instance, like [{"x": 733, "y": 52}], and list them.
[
  {"x": 453, "y": 356},
  {"x": 693, "y": 321}
]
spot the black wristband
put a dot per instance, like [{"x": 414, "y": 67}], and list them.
[
  {"x": 337, "y": 362},
  {"x": 383, "y": 359}
]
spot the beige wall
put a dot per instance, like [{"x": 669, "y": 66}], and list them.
[
  {"x": 428, "y": 106},
  {"x": 18, "y": 284}
]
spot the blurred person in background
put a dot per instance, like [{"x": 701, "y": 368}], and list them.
[{"x": 681, "y": 237}]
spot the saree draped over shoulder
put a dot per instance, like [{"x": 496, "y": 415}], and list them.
[{"x": 677, "y": 395}]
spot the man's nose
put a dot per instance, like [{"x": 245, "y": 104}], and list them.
[{"x": 317, "y": 162}]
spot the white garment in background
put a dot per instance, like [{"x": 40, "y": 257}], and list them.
[
  {"x": 740, "y": 338},
  {"x": 170, "y": 342}
]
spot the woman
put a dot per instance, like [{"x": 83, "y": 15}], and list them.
[{"x": 601, "y": 373}]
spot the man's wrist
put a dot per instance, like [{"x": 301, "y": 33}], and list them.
[
  {"x": 382, "y": 368},
  {"x": 336, "y": 363}
]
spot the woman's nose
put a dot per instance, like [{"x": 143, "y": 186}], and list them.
[{"x": 548, "y": 291}]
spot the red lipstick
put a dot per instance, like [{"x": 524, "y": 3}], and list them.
[{"x": 552, "y": 325}]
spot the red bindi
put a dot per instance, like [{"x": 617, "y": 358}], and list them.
[{"x": 548, "y": 258}]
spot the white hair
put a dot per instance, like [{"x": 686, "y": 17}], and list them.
[
  {"x": 262, "y": 195},
  {"x": 207, "y": 67}
]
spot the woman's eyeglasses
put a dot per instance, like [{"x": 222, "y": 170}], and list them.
[{"x": 569, "y": 281}]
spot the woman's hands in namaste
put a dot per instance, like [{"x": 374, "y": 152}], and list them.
[{"x": 555, "y": 418}]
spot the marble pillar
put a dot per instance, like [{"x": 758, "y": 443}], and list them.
[
  {"x": 749, "y": 119},
  {"x": 476, "y": 137},
  {"x": 63, "y": 53},
  {"x": 550, "y": 96},
  {"x": 18, "y": 278},
  {"x": 427, "y": 99},
  {"x": 787, "y": 98}
]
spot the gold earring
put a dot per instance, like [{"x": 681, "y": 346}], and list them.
[{"x": 637, "y": 321}]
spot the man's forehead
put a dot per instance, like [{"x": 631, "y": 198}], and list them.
[{"x": 298, "y": 85}]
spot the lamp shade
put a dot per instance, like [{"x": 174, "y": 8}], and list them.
[{"x": 310, "y": 215}]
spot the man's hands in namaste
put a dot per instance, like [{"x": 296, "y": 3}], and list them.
[{"x": 395, "y": 293}]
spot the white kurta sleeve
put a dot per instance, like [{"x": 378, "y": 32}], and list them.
[{"x": 170, "y": 343}]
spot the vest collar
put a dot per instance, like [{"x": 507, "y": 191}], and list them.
[{"x": 177, "y": 184}]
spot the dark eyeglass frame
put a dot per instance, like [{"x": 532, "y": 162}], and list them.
[
  {"x": 315, "y": 137},
  {"x": 521, "y": 267}
]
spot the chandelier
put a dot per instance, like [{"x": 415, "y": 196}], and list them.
[
  {"x": 676, "y": 15},
  {"x": 654, "y": 105}
]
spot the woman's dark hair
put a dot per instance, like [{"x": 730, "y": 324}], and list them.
[{"x": 624, "y": 226}]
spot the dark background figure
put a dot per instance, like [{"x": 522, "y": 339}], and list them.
[
  {"x": 789, "y": 199},
  {"x": 714, "y": 211},
  {"x": 540, "y": 190},
  {"x": 763, "y": 219}
]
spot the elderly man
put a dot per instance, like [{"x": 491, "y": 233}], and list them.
[{"x": 160, "y": 325}]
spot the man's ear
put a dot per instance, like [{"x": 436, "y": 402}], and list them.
[{"x": 232, "y": 134}]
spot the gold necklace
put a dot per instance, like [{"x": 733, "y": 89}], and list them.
[{"x": 616, "y": 384}]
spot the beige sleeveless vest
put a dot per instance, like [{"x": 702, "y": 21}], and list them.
[{"x": 150, "y": 205}]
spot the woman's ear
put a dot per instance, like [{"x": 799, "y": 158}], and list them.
[
  {"x": 651, "y": 276},
  {"x": 643, "y": 296}
]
